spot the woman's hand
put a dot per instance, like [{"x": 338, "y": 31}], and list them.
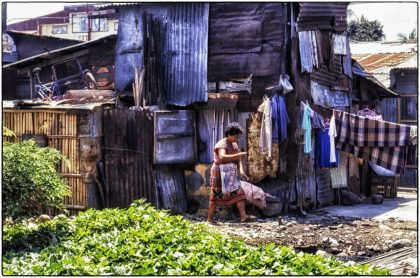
[
  {"x": 243, "y": 176},
  {"x": 242, "y": 154}
]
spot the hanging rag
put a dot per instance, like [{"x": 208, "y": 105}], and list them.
[
  {"x": 384, "y": 143},
  {"x": 280, "y": 119},
  {"x": 308, "y": 50},
  {"x": 317, "y": 121},
  {"x": 413, "y": 135},
  {"x": 322, "y": 150},
  {"x": 266, "y": 128},
  {"x": 307, "y": 127},
  {"x": 332, "y": 132}
]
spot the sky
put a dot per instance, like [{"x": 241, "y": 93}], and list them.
[{"x": 396, "y": 17}]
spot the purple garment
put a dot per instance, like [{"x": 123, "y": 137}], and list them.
[{"x": 280, "y": 119}]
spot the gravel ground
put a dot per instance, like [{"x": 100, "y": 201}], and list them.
[{"x": 347, "y": 238}]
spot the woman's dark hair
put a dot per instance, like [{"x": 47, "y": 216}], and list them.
[{"x": 233, "y": 129}]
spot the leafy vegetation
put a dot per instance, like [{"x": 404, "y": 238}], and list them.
[
  {"x": 30, "y": 179},
  {"x": 143, "y": 241},
  {"x": 365, "y": 30}
]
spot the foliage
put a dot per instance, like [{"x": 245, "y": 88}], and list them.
[
  {"x": 143, "y": 241},
  {"x": 411, "y": 36},
  {"x": 30, "y": 178},
  {"x": 364, "y": 30},
  {"x": 7, "y": 132}
]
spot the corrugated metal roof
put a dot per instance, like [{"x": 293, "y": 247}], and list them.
[
  {"x": 379, "y": 47},
  {"x": 381, "y": 89},
  {"x": 116, "y": 4},
  {"x": 371, "y": 62},
  {"x": 186, "y": 49},
  {"x": 323, "y": 16},
  {"x": 48, "y": 55}
]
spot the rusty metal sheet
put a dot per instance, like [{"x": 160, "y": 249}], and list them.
[
  {"x": 324, "y": 192},
  {"x": 322, "y": 16},
  {"x": 211, "y": 126},
  {"x": 127, "y": 153},
  {"x": 174, "y": 137},
  {"x": 246, "y": 38},
  {"x": 324, "y": 76},
  {"x": 186, "y": 51},
  {"x": 308, "y": 51},
  {"x": 322, "y": 95},
  {"x": 171, "y": 192}
]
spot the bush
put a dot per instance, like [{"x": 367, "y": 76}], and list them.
[
  {"x": 143, "y": 241},
  {"x": 30, "y": 178}
]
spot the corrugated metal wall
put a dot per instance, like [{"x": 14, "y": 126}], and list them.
[
  {"x": 186, "y": 48},
  {"x": 247, "y": 39},
  {"x": 61, "y": 131},
  {"x": 127, "y": 152}
]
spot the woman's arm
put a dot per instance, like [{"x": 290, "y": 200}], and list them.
[
  {"x": 230, "y": 157},
  {"x": 242, "y": 172}
]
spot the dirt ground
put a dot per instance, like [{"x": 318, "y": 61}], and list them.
[{"x": 347, "y": 238}]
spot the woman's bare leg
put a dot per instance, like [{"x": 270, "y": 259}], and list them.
[
  {"x": 241, "y": 208},
  {"x": 210, "y": 214}
]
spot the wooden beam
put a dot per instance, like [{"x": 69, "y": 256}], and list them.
[{"x": 52, "y": 58}]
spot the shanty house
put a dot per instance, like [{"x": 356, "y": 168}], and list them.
[{"x": 183, "y": 71}]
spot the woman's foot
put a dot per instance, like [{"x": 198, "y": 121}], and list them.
[{"x": 249, "y": 218}]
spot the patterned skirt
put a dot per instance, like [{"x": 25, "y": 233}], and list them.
[{"x": 216, "y": 196}]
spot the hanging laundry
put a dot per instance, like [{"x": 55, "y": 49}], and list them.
[
  {"x": 308, "y": 50},
  {"x": 339, "y": 174},
  {"x": 322, "y": 150},
  {"x": 413, "y": 135},
  {"x": 259, "y": 166},
  {"x": 369, "y": 113},
  {"x": 384, "y": 143},
  {"x": 332, "y": 132},
  {"x": 280, "y": 119},
  {"x": 307, "y": 127},
  {"x": 340, "y": 44},
  {"x": 317, "y": 121},
  {"x": 266, "y": 128}
]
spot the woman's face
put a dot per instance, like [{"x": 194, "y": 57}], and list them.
[{"x": 233, "y": 138}]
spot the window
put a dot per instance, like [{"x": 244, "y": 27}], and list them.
[
  {"x": 99, "y": 24},
  {"x": 59, "y": 29},
  {"x": 80, "y": 23},
  {"x": 116, "y": 26}
]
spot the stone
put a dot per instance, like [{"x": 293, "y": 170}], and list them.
[
  {"x": 377, "y": 199},
  {"x": 377, "y": 248},
  {"x": 361, "y": 253},
  {"x": 60, "y": 216},
  {"x": 333, "y": 227},
  {"x": 384, "y": 227},
  {"x": 322, "y": 253},
  {"x": 335, "y": 251},
  {"x": 44, "y": 218},
  {"x": 282, "y": 228},
  {"x": 306, "y": 229},
  {"x": 272, "y": 209},
  {"x": 348, "y": 242},
  {"x": 349, "y": 198},
  {"x": 400, "y": 244}
]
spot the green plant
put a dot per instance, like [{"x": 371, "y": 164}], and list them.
[
  {"x": 7, "y": 132},
  {"x": 141, "y": 240},
  {"x": 30, "y": 178}
]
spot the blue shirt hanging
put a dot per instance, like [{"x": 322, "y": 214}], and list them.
[
  {"x": 322, "y": 150},
  {"x": 280, "y": 119}
]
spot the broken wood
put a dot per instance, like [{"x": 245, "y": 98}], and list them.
[
  {"x": 89, "y": 94},
  {"x": 234, "y": 85}
]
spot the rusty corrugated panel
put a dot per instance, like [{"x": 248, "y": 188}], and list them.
[
  {"x": 171, "y": 189},
  {"x": 325, "y": 77},
  {"x": 211, "y": 126},
  {"x": 127, "y": 152},
  {"x": 324, "y": 192},
  {"x": 322, "y": 95},
  {"x": 185, "y": 76},
  {"x": 247, "y": 38},
  {"x": 322, "y": 16}
]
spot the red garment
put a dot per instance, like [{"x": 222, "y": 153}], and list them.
[{"x": 216, "y": 196}]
